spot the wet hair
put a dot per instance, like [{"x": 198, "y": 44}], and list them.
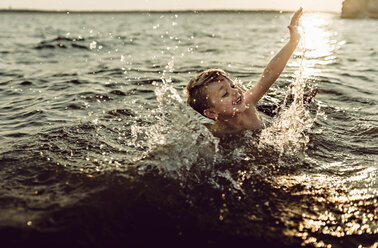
[{"x": 196, "y": 89}]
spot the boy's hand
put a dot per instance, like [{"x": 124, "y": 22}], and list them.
[{"x": 293, "y": 27}]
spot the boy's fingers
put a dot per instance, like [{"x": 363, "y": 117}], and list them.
[
  {"x": 295, "y": 18},
  {"x": 300, "y": 14}
]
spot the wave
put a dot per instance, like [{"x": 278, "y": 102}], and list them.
[{"x": 62, "y": 42}]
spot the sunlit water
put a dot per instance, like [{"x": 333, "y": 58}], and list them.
[{"x": 98, "y": 147}]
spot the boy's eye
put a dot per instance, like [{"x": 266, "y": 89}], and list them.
[{"x": 225, "y": 94}]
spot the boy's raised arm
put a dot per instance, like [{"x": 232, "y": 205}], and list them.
[{"x": 277, "y": 64}]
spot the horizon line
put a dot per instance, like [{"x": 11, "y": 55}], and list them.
[{"x": 26, "y": 10}]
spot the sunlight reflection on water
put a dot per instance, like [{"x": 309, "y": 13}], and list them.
[
  {"x": 317, "y": 38},
  {"x": 318, "y": 42}
]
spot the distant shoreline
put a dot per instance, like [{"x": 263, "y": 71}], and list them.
[{"x": 148, "y": 11}]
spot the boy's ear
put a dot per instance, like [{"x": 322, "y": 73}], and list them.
[{"x": 211, "y": 114}]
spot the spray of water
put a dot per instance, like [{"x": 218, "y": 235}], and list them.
[
  {"x": 176, "y": 143},
  {"x": 288, "y": 131}
]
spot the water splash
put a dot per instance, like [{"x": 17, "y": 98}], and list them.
[
  {"x": 176, "y": 143},
  {"x": 288, "y": 131}
]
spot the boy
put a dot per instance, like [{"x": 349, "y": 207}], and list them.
[{"x": 213, "y": 94}]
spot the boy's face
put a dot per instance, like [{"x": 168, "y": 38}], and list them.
[{"x": 226, "y": 98}]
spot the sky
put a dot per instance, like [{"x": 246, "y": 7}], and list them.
[{"x": 309, "y": 5}]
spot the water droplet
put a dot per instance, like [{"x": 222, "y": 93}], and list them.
[{"x": 93, "y": 45}]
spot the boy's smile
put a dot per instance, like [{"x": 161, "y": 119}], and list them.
[
  {"x": 238, "y": 101},
  {"x": 226, "y": 98}
]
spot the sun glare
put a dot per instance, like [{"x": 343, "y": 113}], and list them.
[{"x": 318, "y": 42}]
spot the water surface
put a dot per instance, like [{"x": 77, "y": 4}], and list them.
[{"x": 98, "y": 147}]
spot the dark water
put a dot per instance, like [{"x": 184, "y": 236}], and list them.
[{"x": 99, "y": 149}]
